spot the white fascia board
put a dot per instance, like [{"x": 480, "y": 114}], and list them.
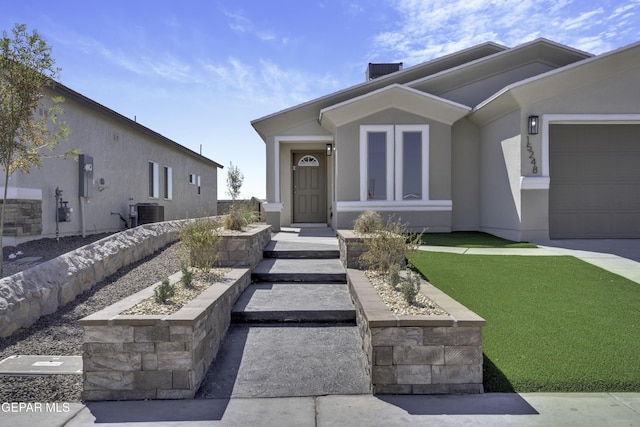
[
  {"x": 395, "y": 206},
  {"x": 394, "y": 96}
]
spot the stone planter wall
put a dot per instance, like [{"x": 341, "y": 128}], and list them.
[
  {"x": 129, "y": 357},
  {"x": 418, "y": 354},
  {"x": 244, "y": 248},
  {"x": 351, "y": 247}
]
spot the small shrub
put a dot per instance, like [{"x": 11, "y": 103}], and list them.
[
  {"x": 201, "y": 240},
  {"x": 394, "y": 275},
  {"x": 388, "y": 246},
  {"x": 368, "y": 222},
  {"x": 410, "y": 287},
  {"x": 164, "y": 291},
  {"x": 240, "y": 215},
  {"x": 187, "y": 275}
]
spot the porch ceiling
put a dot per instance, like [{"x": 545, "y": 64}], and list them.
[{"x": 393, "y": 96}]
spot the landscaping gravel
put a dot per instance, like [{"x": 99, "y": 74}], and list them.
[{"x": 59, "y": 334}]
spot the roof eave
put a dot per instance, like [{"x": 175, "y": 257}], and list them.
[{"x": 81, "y": 99}]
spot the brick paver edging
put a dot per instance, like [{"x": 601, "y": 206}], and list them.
[{"x": 410, "y": 354}]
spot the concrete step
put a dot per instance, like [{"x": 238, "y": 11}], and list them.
[
  {"x": 299, "y": 270},
  {"x": 297, "y": 250},
  {"x": 285, "y": 361},
  {"x": 295, "y": 302}
]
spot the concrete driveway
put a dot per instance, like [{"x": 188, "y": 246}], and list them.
[{"x": 625, "y": 248}]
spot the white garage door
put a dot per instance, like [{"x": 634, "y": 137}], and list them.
[{"x": 595, "y": 181}]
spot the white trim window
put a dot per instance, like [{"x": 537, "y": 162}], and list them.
[
  {"x": 376, "y": 162},
  {"x": 168, "y": 182},
  {"x": 154, "y": 180},
  {"x": 394, "y": 162},
  {"x": 412, "y": 162}
]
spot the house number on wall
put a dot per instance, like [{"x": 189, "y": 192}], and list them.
[{"x": 532, "y": 157}]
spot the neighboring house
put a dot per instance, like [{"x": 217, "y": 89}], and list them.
[
  {"x": 123, "y": 163},
  {"x": 533, "y": 142}
]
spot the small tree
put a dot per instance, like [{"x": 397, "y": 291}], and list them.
[
  {"x": 234, "y": 181},
  {"x": 26, "y": 69}
]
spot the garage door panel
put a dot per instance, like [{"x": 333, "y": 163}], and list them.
[
  {"x": 570, "y": 168},
  {"x": 593, "y": 166},
  {"x": 627, "y": 197},
  {"x": 594, "y": 181},
  {"x": 625, "y": 225},
  {"x": 570, "y": 224},
  {"x": 576, "y": 197},
  {"x": 627, "y": 165}
]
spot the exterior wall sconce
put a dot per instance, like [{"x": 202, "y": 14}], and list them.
[
  {"x": 533, "y": 125},
  {"x": 329, "y": 149}
]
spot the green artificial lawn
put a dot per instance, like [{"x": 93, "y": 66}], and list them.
[
  {"x": 554, "y": 324},
  {"x": 471, "y": 239}
]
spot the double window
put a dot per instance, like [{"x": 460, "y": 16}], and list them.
[
  {"x": 195, "y": 180},
  {"x": 394, "y": 162},
  {"x": 154, "y": 181}
]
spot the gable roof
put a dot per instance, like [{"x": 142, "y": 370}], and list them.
[
  {"x": 393, "y": 96},
  {"x": 87, "y": 102},
  {"x": 521, "y": 62},
  {"x": 437, "y": 80},
  {"x": 311, "y": 109},
  {"x": 564, "y": 79}
]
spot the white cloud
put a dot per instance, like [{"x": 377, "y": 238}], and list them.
[
  {"x": 430, "y": 29},
  {"x": 266, "y": 83}
]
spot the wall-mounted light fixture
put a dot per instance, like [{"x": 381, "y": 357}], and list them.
[
  {"x": 329, "y": 149},
  {"x": 533, "y": 125}
]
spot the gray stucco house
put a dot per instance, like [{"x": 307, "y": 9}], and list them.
[
  {"x": 532, "y": 142},
  {"x": 123, "y": 164}
]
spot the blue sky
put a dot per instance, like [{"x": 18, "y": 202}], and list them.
[{"x": 199, "y": 71}]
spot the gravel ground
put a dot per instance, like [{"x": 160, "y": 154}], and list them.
[
  {"x": 45, "y": 249},
  {"x": 59, "y": 334},
  {"x": 396, "y": 302}
]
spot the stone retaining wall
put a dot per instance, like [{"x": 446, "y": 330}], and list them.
[
  {"x": 129, "y": 357},
  {"x": 40, "y": 290},
  {"x": 244, "y": 248},
  {"x": 412, "y": 354}
]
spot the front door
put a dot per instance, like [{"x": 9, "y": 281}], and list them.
[{"x": 309, "y": 187}]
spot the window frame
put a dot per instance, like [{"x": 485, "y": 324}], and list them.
[
  {"x": 167, "y": 182},
  {"x": 364, "y": 159},
  {"x": 394, "y": 160},
  {"x": 154, "y": 180},
  {"x": 399, "y": 163}
]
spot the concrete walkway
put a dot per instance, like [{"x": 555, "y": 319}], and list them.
[{"x": 490, "y": 409}]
